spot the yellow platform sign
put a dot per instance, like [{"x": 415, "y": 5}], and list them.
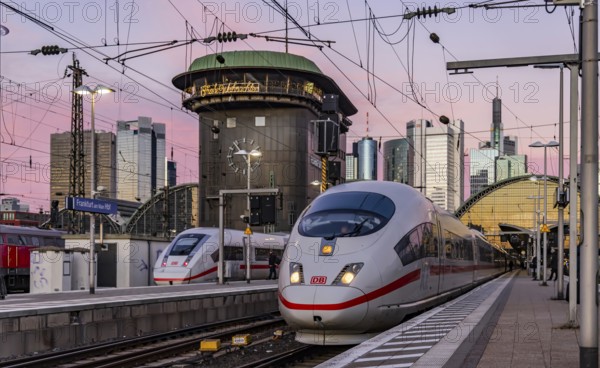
[
  {"x": 248, "y": 231},
  {"x": 544, "y": 228}
]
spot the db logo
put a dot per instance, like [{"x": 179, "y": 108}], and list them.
[
  {"x": 174, "y": 263},
  {"x": 318, "y": 280}
]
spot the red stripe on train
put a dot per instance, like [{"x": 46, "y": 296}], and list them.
[{"x": 401, "y": 282}]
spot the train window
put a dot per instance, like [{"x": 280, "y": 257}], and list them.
[
  {"x": 13, "y": 239},
  {"x": 35, "y": 241},
  {"x": 262, "y": 254},
  {"x": 234, "y": 253},
  {"x": 361, "y": 201},
  {"x": 413, "y": 245},
  {"x": 187, "y": 244},
  {"x": 346, "y": 214},
  {"x": 231, "y": 254},
  {"x": 485, "y": 253},
  {"x": 333, "y": 224},
  {"x": 430, "y": 240}
]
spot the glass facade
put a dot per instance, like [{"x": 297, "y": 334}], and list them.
[
  {"x": 141, "y": 164},
  {"x": 510, "y": 166},
  {"x": 482, "y": 169},
  {"x": 60, "y": 147},
  {"x": 396, "y": 161}
]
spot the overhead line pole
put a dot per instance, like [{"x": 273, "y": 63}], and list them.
[{"x": 588, "y": 345}]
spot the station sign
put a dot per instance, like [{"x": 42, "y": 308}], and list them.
[{"x": 91, "y": 205}]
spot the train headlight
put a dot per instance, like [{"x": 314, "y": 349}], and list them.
[
  {"x": 296, "y": 274},
  {"x": 164, "y": 262},
  {"x": 348, "y": 273}
]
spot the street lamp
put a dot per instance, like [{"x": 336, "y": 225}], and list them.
[
  {"x": 248, "y": 157},
  {"x": 99, "y": 90},
  {"x": 545, "y": 220}
]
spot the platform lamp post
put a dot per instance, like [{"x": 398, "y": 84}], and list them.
[
  {"x": 248, "y": 157},
  {"x": 536, "y": 225},
  {"x": 545, "y": 220},
  {"x": 99, "y": 90}
]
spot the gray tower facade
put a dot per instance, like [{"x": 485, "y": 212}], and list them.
[{"x": 367, "y": 159}]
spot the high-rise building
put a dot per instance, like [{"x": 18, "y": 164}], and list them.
[
  {"x": 60, "y": 161},
  {"x": 496, "y": 159},
  {"x": 367, "y": 159},
  {"x": 351, "y": 167},
  {"x": 438, "y": 161},
  {"x": 141, "y": 163},
  {"x": 396, "y": 162},
  {"x": 171, "y": 173},
  {"x": 497, "y": 130},
  {"x": 510, "y": 166},
  {"x": 482, "y": 169}
]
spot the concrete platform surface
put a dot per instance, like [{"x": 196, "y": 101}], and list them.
[{"x": 530, "y": 331}]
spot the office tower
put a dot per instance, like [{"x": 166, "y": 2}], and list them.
[
  {"x": 367, "y": 159},
  {"x": 60, "y": 146},
  {"x": 396, "y": 161},
  {"x": 141, "y": 159},
  {"x": 438, "y": 157}
]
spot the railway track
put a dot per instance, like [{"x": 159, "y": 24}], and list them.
[{"x": 137, "y": 351}]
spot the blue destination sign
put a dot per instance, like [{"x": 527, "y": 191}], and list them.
[{"x": 91, "y": 205}]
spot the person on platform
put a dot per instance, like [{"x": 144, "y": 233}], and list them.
[
  {"x": 510, "y": 265},
  {"x": 533, "y": 266},
  {"x": 553, "y": 266},
  {"x": 273, "y": 262}
]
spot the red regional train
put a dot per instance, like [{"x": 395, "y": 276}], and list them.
[
  {"x": 16, "y": 244},
  {"x": 364, "y": 255}
]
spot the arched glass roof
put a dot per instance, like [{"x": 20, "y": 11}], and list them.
[{"x": 511, "y": 206}]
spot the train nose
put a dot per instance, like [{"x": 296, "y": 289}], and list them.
[
  {"x": 172, "y": 276},
  {"x": 322, "y": 307}
]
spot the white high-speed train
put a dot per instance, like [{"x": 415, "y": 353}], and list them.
[
  {"x": 193, "y": 255},
  {"x": 364, "y": 255}
]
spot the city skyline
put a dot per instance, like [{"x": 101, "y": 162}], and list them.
[{"x": 35, "y": 94}]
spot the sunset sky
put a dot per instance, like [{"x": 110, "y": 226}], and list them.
[{"x": 376, "y": 62}]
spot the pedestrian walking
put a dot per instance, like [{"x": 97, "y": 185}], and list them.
[{"x": 273, "y": 262}]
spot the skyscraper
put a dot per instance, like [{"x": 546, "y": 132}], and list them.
[
  {"x": 60, "y": 146},
  {"x": 141, "y": 159},
  {"x": 496, "y": 159},
  {"x": 367, "y": 159},
  {"x": 396, "y": 161},
  {"x": 438, "y": 161}
]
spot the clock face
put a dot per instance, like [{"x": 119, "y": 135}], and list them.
[{"x": 239, "y": 162}]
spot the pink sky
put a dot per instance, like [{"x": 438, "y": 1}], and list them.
[{"x": 35, "y": 96}]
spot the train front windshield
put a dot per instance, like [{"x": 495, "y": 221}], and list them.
[
  {"x": 187, "y": 245},
  {"x": 346, "y": 214}
]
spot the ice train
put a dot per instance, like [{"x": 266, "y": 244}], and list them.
[
  {"x": 364, "y": 255},
  {"x": 193, "y": 255}
]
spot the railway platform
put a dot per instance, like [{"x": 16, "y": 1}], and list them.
[
  {"x": 511, "y": 321},
  {"x": 40, "y": 322}
]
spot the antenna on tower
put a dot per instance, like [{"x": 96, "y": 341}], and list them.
[
  {"x": 367, "y": 123},
  {"x": 497, "y": 85}
]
